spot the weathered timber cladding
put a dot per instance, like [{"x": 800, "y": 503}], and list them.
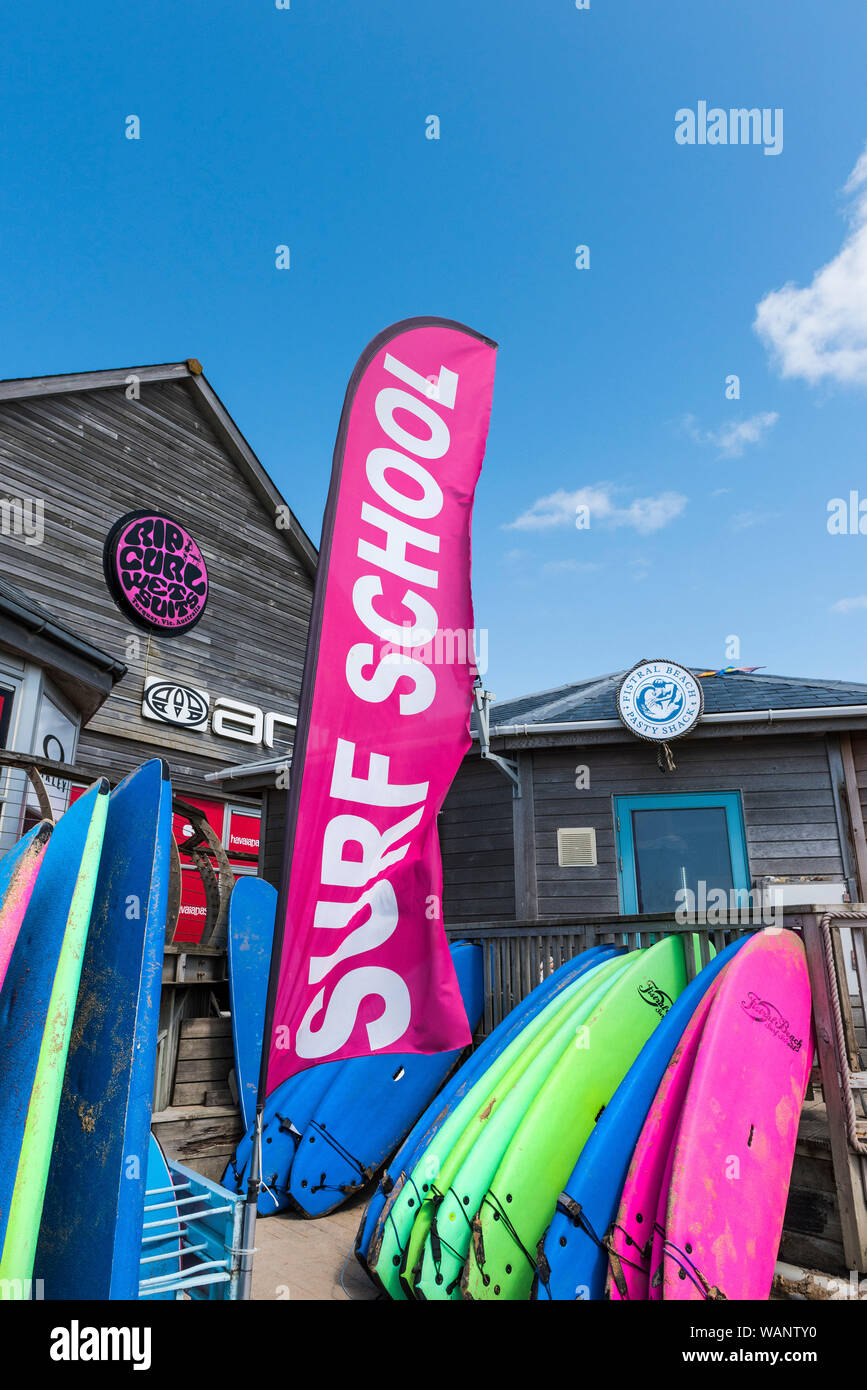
[
  {"x": 784, "y": 781},
  {"x": 271, "y": 845},
  {"x": 859, "y": 758},
  {"x": 94, "y": 455},
  {"x": 475, "y": 830}
]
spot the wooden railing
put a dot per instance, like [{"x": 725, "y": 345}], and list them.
[{"x": 519, "y": 955}]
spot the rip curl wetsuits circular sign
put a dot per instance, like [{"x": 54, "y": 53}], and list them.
[
  {"x": 659, "y": 700},
  {"x": 156, "y": 572}
]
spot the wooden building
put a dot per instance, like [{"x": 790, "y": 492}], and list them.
[
  {"x": 78, "y": 453},
  {"x": 565, "y": 813}
]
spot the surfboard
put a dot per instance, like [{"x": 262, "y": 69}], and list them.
[
  {"x": 286, "y": 1114},
  {"x": 357, "y": 1127},
  {"x": 573, "y": 1263},
  {"x": 518, "y": 1206},
  {"x": 36, "y": 1009},
  {"x": 252, "y": 909},
  {"x": 632, "y": 1232},
  {"x": 90, "y": 1238},
  {"x": 736, "y": 1139},
  {"x": 445, "y": 1250},
  {"x": 412, "y": 1214},
  {"x": 18, "y": 870},
  {"x": 369, "y": 1238},
  {"x": 160, "y": 1250}
]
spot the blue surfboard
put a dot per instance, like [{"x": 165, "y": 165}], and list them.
[
  {"x": 90, "y": 1238},
  {"x": 370, "y": 1107},
  {"x": 286, "y": 1114},
  {"x": 252, "y": 908},
  {"x": 27, "y": 988},
  {"x": 574, "y": 1263},
  {"x": 425, "y": 1129},
  {"x": 160, "y": 1251}
]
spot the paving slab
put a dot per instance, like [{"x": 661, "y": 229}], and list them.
[{"x": 310, "y": 1261}]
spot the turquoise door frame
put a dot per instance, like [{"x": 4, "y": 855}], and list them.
[{"x": 730, "y": 802}]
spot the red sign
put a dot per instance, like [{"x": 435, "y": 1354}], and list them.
[
  {"x": 243, "y": 833},
  {"x": 214, "y": 812},
  {"x": 194, "y": 912}
]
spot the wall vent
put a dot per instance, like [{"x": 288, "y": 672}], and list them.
[{"x": 576, "y": 848}]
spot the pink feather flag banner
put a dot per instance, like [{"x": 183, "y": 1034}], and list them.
[{"x": 361, "y": 964}]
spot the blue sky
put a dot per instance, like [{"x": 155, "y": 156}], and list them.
[{"x": 306, "y": 127}]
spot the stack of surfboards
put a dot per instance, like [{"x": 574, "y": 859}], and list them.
[
  {"x": 622, "y": 1133},
  {"x": 82, "y": 927},
  {"x": 329, "y": 1129}
]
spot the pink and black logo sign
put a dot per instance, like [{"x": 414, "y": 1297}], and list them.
[{"x": 156, "y": 572}]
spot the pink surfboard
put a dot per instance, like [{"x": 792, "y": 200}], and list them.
[
  {"x": 654, "y": 1293},
  {"x": 18, "y": 872},
  {"x": 736, "y": 1140},
  {"x": 633, "y": 1231}
]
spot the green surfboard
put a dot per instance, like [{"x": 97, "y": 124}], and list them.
[
  {"x": 412, "y": 1214},
  {"x": 517, "y": 1207},
  {"x": 445, "y": 1249}
]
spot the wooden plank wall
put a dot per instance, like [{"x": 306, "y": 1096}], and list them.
[
  {"x": 784, "y": 780},
  {"x": 858, "y": 766},
  {"x": 271, "y": 845},
  {"x": 476, "y": 841},
  {"x": 94, "y": 455}
]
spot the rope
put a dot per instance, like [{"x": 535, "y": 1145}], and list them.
[
  {"x": 390, "y": 1213},
  {"x": 492, "y": 1200},
  {"x": 665, "y": 759},
  {"x": 845, "y": 1075},
  {"x": 709, "y": 1291},
  {"x": 338, "y": 1149}
]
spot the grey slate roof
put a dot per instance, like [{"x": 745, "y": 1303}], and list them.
[{"x": 596, "y": 699}]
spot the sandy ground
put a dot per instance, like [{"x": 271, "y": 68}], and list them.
[{"x": 304, "y": 1260}]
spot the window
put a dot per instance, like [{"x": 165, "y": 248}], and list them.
[{"x": 666, "y": 844}]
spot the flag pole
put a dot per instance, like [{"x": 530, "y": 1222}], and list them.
[{"x": 299, "y": 749}]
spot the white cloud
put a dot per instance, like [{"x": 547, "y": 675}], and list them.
[
  {"x": 569, "y": 566},
  {"x": 732, "y": 439},
  {"x": 849, "y": 605},
  {"x": 643, "y": 514},
  {"x": 820, "y": 331},
  {"x": 743, "y": 521}
]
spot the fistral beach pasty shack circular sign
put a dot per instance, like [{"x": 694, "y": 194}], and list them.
[
  {"x": 156, "y": 572},
  {"x": 659, "y": 700}
]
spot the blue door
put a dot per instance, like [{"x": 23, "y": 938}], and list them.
[{"x": 669, "y": 843}]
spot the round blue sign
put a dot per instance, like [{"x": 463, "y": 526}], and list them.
[{"x": 659, "y": 700}]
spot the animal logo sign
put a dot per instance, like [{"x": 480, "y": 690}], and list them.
[
  {"x": 659, "y": 700},
  {"x": 156, "y": 572}
]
